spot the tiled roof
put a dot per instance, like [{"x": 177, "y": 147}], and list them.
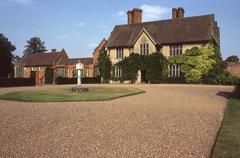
[
  {"x": 189, "y": 29},
  {"x": 234, "y": 68},
  {"x": 100, "y": 46},
  {"x": 39, "y": 59},
  {"x": 85, "y": 61}
]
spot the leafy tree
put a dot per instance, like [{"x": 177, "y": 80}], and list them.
[
  {"x": 232, "y": 58},
  {"x": 6, "y": 56},
  {"x": 195, "y": 63},
  {"x": 218, "y": 74},
  {"x": 15, "y": 59},
  {"x": 35, "y": 45},
  {"x": 104, "y": 65}
]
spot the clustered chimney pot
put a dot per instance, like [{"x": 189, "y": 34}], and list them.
[
  {"x": 134, "y": 16},
  {"x": 130, "y": 17},
  {"x": 174, "y": 13},
  {"x": 54, "y": 50},
  {"x": 181, "y": 12},
  {"x": 178, "y": 13}
]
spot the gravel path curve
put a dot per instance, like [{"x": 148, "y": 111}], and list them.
[{"x": 168, "y": 121}]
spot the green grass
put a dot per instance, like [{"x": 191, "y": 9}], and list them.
[
  {"x": 228, "y": 141},
  {"x": 66, "y": 95}
]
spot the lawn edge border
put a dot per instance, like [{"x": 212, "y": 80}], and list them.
[
  {"x": 109, "y": 99},
  {"x": 219, "y": 129}
]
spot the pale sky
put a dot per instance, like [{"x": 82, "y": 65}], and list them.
[{"x": 78, "y": 26}]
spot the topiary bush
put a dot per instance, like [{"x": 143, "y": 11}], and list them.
[
  {"x": 49, "y": 75},
  {"x": 104, "y": 66}
]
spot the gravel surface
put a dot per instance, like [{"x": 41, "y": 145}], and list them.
[{"x": 168, "y": 121}]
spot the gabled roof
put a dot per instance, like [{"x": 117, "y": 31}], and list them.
[
  {"x": 185, "y": 30},
  {"x": 100, "y": 46},
  {"x": 39, "y": 59}
]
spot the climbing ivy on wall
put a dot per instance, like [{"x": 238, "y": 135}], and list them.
[{"x": 154, "y": 64}]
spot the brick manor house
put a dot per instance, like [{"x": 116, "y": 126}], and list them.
[
  {"x": 170, "y": 37},
  {"x": 59, "y": 62}
]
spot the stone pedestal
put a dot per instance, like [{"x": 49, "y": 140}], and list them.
[{"x": 79, "y": 89}]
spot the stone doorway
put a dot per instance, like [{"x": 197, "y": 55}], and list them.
[{"x": 143, "y": 76}]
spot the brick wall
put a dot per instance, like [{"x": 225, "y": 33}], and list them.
[{"x": 234, "y": 68}]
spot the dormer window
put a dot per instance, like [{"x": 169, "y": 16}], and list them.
[
  {"x": 175, "y": 50},
  {"x": 119, "y": 53},
  {"x": 144, "y": 49}
]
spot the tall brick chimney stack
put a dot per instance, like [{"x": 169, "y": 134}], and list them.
[
  {"x": 174, "y": 13},
  {"x": 137, "y": 15},
  {"x": 130, "y": 17},
  {"x": 134, "y": 16},
  {"x": 178, "y": 13},
  {"x": 54, "y": 50},
  {"x": 181, "y": 13}
]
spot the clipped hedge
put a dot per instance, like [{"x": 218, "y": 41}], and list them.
[
  {"x": 64, "y": 80},
  {"x": 17, "y": 82},
  {"x": 85, "y": 80},
  {"x": 91, "y": 80},
  {"x": 180, "y": 79},
  {"x": 49, "y": 75}
]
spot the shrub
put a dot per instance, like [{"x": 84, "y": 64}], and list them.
[
  {"x": 130, "y": 66},
  {"x": 91, "y": 80},
  {"x": 105, "y": 81},
  {"x": 215, "y": 74},
  {"x": 236, "y": 92},
  {"x": 63, "y": 80},
  {"x": 85, "y": 80},
  {"x": 195, "y": 63},
  {"x": 180, "y": 79},
  {"x": 49, "y": 75},
  {"x": 104, "y": 65},
  {"x": 155, "y": 66},
  {"x": 17, "y": 82}
]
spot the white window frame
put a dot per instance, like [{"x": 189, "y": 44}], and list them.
[
  {"x": 118, "y": 71},
  {"x": 60, "y": 72},
  {"x": 119, "y": 53},
  {"x": 175, "y": 50},
  {"x": 144, "y": 49},
  {"x": 174, "y": 70}
]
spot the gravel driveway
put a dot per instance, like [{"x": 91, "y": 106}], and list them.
[{"x": 167, "y": 121}]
